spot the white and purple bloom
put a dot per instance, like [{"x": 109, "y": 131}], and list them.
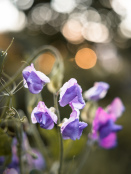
[
  {"x": 71, "y": 93},
  {"x": 104, "y": 129},
  {"x": 98, "y": 91},
  {"x": 116, "y": 107},
  {"x": 72, "y": 128},
  {"x": 44, "y": 116},
  {"x": 34, "y": 80}
]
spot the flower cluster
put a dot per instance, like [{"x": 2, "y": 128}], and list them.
[
  {"x": 71, "y": 93},
  {"x": 104, "y": 128}
]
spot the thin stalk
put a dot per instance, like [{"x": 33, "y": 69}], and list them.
[
  {"x": 83, "y": 161},
  {"x": 60, "y": 135},
  {"x": 41, "y": 50},
  {"x": 39, "y": 143},
  {"x": 19, "y": 136}
]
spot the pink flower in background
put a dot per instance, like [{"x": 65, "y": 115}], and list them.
[
  {"x": 104, "y": 129},
  {"x": 116, "y": 107}
]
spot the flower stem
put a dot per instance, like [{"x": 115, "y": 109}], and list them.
[
  {"x": 84, "y": 160},
  {"x": 60, "y": 135},
  {"x": 38, "y": 52}
]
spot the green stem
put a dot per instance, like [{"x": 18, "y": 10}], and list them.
[
  {"x": 41, "y": 50},
  {"x": 60, "y": 135},
  {"x": 19, "y": 136},
  {"x": 83, "y": 161}
]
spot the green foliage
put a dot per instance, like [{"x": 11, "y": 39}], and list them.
[
  {"x": 71, "y": 148},
  {"x": 5, "y": 143}
]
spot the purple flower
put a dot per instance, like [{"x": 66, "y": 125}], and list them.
[
  {"x": 42, "y": 115},
  {"x": 98, "y": 91},
  {"x": 72, "y": 128},
  {"x": 34, "y": 80},
  {"x": 116, "y": 107},
  {"x": 36, "y": 163},
  {"x": 71, "y": 93},
  {"x": 104, "y": 129}
]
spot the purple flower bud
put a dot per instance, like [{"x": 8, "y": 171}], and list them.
[
  {"x": 72, "y": 128},
  {"x": 98, "y": 91},
  {"x": 71, "y": 93},
  {"x": 116, "y": 107},
  {"x": 104, "y": 129},
  {"x": 34, "y": 80},
  {"x": 42, "y": 115}
]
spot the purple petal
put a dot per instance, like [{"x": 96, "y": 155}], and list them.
[
  {"x": 82, "y": 126},
  {"x": 71, "y": 130},
  {"x": 109, "y": 142},
  {"x": 42, "y": 115},
  {"x": 34, "y": 80},
  {"x": 108, "y": 128},
  {"x": 35, "y": 84},
  {"x": 116, "y": 107},
  {"x": 98, "y": 91},
  {"x": 69, "y": 95}
]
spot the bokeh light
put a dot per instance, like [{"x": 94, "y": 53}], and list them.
[
  {"x": 63, "y": 6},
  {"x": 45, "y": 62},
  {"x": 95, "y": 32},
  {"x": 85, "y": 58},
  {"x": 72, "y": 31},
  {"x": 11, "y": 19},
  {"x": 24, "y": 4}
]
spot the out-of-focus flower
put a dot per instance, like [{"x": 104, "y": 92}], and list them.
[
  {"x": 98, "y": 91},
  {"x": 71, "y": 93},
  {"x": 34, "y": 80},
  {"x": 10, "y": 171},
  {"x": 72, "y": 128},
  {"x": 104, "y": 129},
  {"x": 116, "y": 107},
  {"x": 42, "y": 115},
  {"x": 36, "y": 163}
]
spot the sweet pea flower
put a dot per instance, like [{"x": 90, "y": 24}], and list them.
[
  {"x": 104, "y": 129},
  {"x": 72, "y": 128},
  {"x": 34, "y": 80},
  {"x": 44, "y": 116},
  {"x": 71, "y": 93},
  {"x": 116, "y": 107},
  {"x": 98, "y": 91}
]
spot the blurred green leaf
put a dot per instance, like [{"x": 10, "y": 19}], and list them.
[
  {"x": 35, "y": 171},
  {"x": 52, "y": 138},
  {"x": 71, "y": 147},
  {"x": 5, "y": 143}
]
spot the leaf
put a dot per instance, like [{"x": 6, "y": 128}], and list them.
[
  {"x": 71, "y": 147},
  {"x": 52, "y": 138},
  {"x": 5, "y": 143},
  {"x": 35, "y": 171}
]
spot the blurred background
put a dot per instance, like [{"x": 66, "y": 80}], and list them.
[{"x": 102, "y": 26}]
